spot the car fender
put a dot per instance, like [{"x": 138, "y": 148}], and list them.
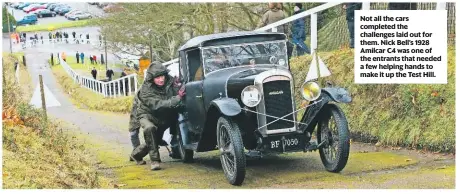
[
  {"x": 338, "y": 94},
  {"x": 227, "y": 106}
]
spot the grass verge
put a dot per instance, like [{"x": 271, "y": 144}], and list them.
[
  {"x": 414, "y": 115},
  {"x": 55, "y": 26},
  {"x": 36, "y": 152},
  {"x": 87, "y": 99}
]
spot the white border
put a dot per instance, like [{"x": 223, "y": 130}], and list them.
[{"x": 303, "y": 191}]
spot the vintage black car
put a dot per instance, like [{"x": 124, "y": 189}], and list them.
[{"x": 240, "y": 96}]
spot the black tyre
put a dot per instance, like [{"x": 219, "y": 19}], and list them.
[
  {"x": 231, "y": 149},
  {"x": 40, "y": 15},
  {"x": 185, "y": 154},
  {"x": 334, "y": 129},
  {"x": 76, "y": 19}
]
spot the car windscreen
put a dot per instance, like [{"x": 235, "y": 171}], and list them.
[{"x": 262, "y": 53}]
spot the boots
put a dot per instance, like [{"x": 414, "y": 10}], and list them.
[
  {"x": 138, "y": 162},
  {"x": 155, "y": 165}
]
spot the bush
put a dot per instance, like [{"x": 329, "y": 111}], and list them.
[{"x": 413, "y": 115}]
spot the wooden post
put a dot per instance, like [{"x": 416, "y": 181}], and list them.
[
  {"x": 42, "y": 92},
  {"x": 24, "y": 60}
]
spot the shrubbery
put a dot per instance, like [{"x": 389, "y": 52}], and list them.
[{"x": 413, "y": 115}]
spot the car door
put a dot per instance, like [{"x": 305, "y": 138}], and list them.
[{"x": 195, "y": 111}]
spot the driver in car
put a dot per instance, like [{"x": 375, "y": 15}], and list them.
[{"x": 159, "y": 99}]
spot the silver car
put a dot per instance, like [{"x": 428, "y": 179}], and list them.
[{"x": 80, "y": 16}]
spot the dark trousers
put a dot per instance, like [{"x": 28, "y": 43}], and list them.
[
  {"x": 351, "y": 30},
  {"x": 78, "y": 59},
  {"x": 153, "y": 136},
  {"x": 134, "y": 135},
  {"x": 301, "y": 47}
]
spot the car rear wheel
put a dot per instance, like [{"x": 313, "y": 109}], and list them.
[
  {"x": 185, "y": 154},
  {"x": 76, "y": 19},
  {"x": 231, "y": 150},
  {"x": 40, "y": 15},
  {"x": 333, "y": 129}
]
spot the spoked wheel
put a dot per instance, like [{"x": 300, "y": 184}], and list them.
[
  {"x": 185, "y": 154},
  {"x": 333, "y": 129},
  {"x": 231, "y": 150}
]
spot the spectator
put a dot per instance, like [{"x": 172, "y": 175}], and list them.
[
  {"x": 50, "y": 36},
  {"x": 41, "y": 38},
  {"x": 298, "y": 32},
  {"x": 351, "y": 7},
  {"x": 91, "y": 59},
  {"x": 94, "y": 59},
  {"x": 77, "y": 56},
  {"x": 274, "y": 14},
  {"x": 64, "y": 56},
  {"x": 94, "y": 73},
  {"x": 87, "y": 38},
  {"x": 109, "y": 73},
  {"x": 73, "y": 34},
  {"x": 402, "y": 6},
  {"x": 82, "y": 57}
]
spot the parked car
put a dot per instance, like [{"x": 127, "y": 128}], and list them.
[
  {"x": 23, "y": 5},
  {"x": 79, "y": 16},
  {"x": 240, "y": 95},
  {"x": 63, "y": 10},
  {"x": 35, "y": 8},
  {"x": 30, "y": 7},
  {"x": 46, "y": 13},
  {"x": 27, "y": 20},
  {"x": 48, "y": 6},
  {"x": 102, "y": 5},
  {"x": 56, "y": 6},
  {"x": 74, "y": 11},
  {"x": 36, "y": 11}
]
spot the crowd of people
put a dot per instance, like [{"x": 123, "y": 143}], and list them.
[{"x": 53, "y": 37}]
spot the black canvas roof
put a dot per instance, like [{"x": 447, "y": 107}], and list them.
[{"x": 200, "y": 40}]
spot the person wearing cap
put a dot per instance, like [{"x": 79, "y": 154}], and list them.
[{"x": 158, "y": 104}]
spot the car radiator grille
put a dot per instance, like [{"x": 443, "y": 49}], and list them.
[{"x": 278, "y": 103}]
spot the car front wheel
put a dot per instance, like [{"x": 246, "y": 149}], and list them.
[
  {"x": 231, "y": 150},
  {"x": 333, "y": 130},
  {"x": 76, "y": 19}
]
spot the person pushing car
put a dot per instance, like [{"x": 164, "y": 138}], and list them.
[{"x": 158, "y": 103}]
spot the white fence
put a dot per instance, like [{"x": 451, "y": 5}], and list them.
[{"x": 124, "y": 86}]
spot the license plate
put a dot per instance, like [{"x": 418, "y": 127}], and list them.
[{"x": 285, "y": 142}]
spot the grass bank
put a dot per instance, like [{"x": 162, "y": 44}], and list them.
[
  {"x": 55, "y": 26},
  {"x": 414, "y": 115},
  {"x": 87, "y": 99},
  {"x": 38, "y": 153}
]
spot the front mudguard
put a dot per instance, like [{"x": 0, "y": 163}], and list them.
[
  {"x": 227, "y": 106},
  {"x": 310, "y": 117}
]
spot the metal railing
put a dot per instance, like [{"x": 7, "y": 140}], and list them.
[{"x": 125, "y": 86}]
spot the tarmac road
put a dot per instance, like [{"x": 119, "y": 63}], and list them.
[{"x": 368, "y": 166}]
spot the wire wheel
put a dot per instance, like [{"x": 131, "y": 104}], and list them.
[
  {"x": 333, "y": 131},
  {"x": 231, "y": 150}
]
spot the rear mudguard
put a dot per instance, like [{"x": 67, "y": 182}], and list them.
[{"x": 310, "y": 117}]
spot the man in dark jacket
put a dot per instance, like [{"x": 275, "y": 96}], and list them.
[
  {"x": 351, "y": 7},
  {"x": 298, "y": 32},
  {"x": 158, "y": 103},
  {"x": 109, "y": 73},
  {"x": 94, "y": 73},
  {"x": 77, "y": 56}
]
